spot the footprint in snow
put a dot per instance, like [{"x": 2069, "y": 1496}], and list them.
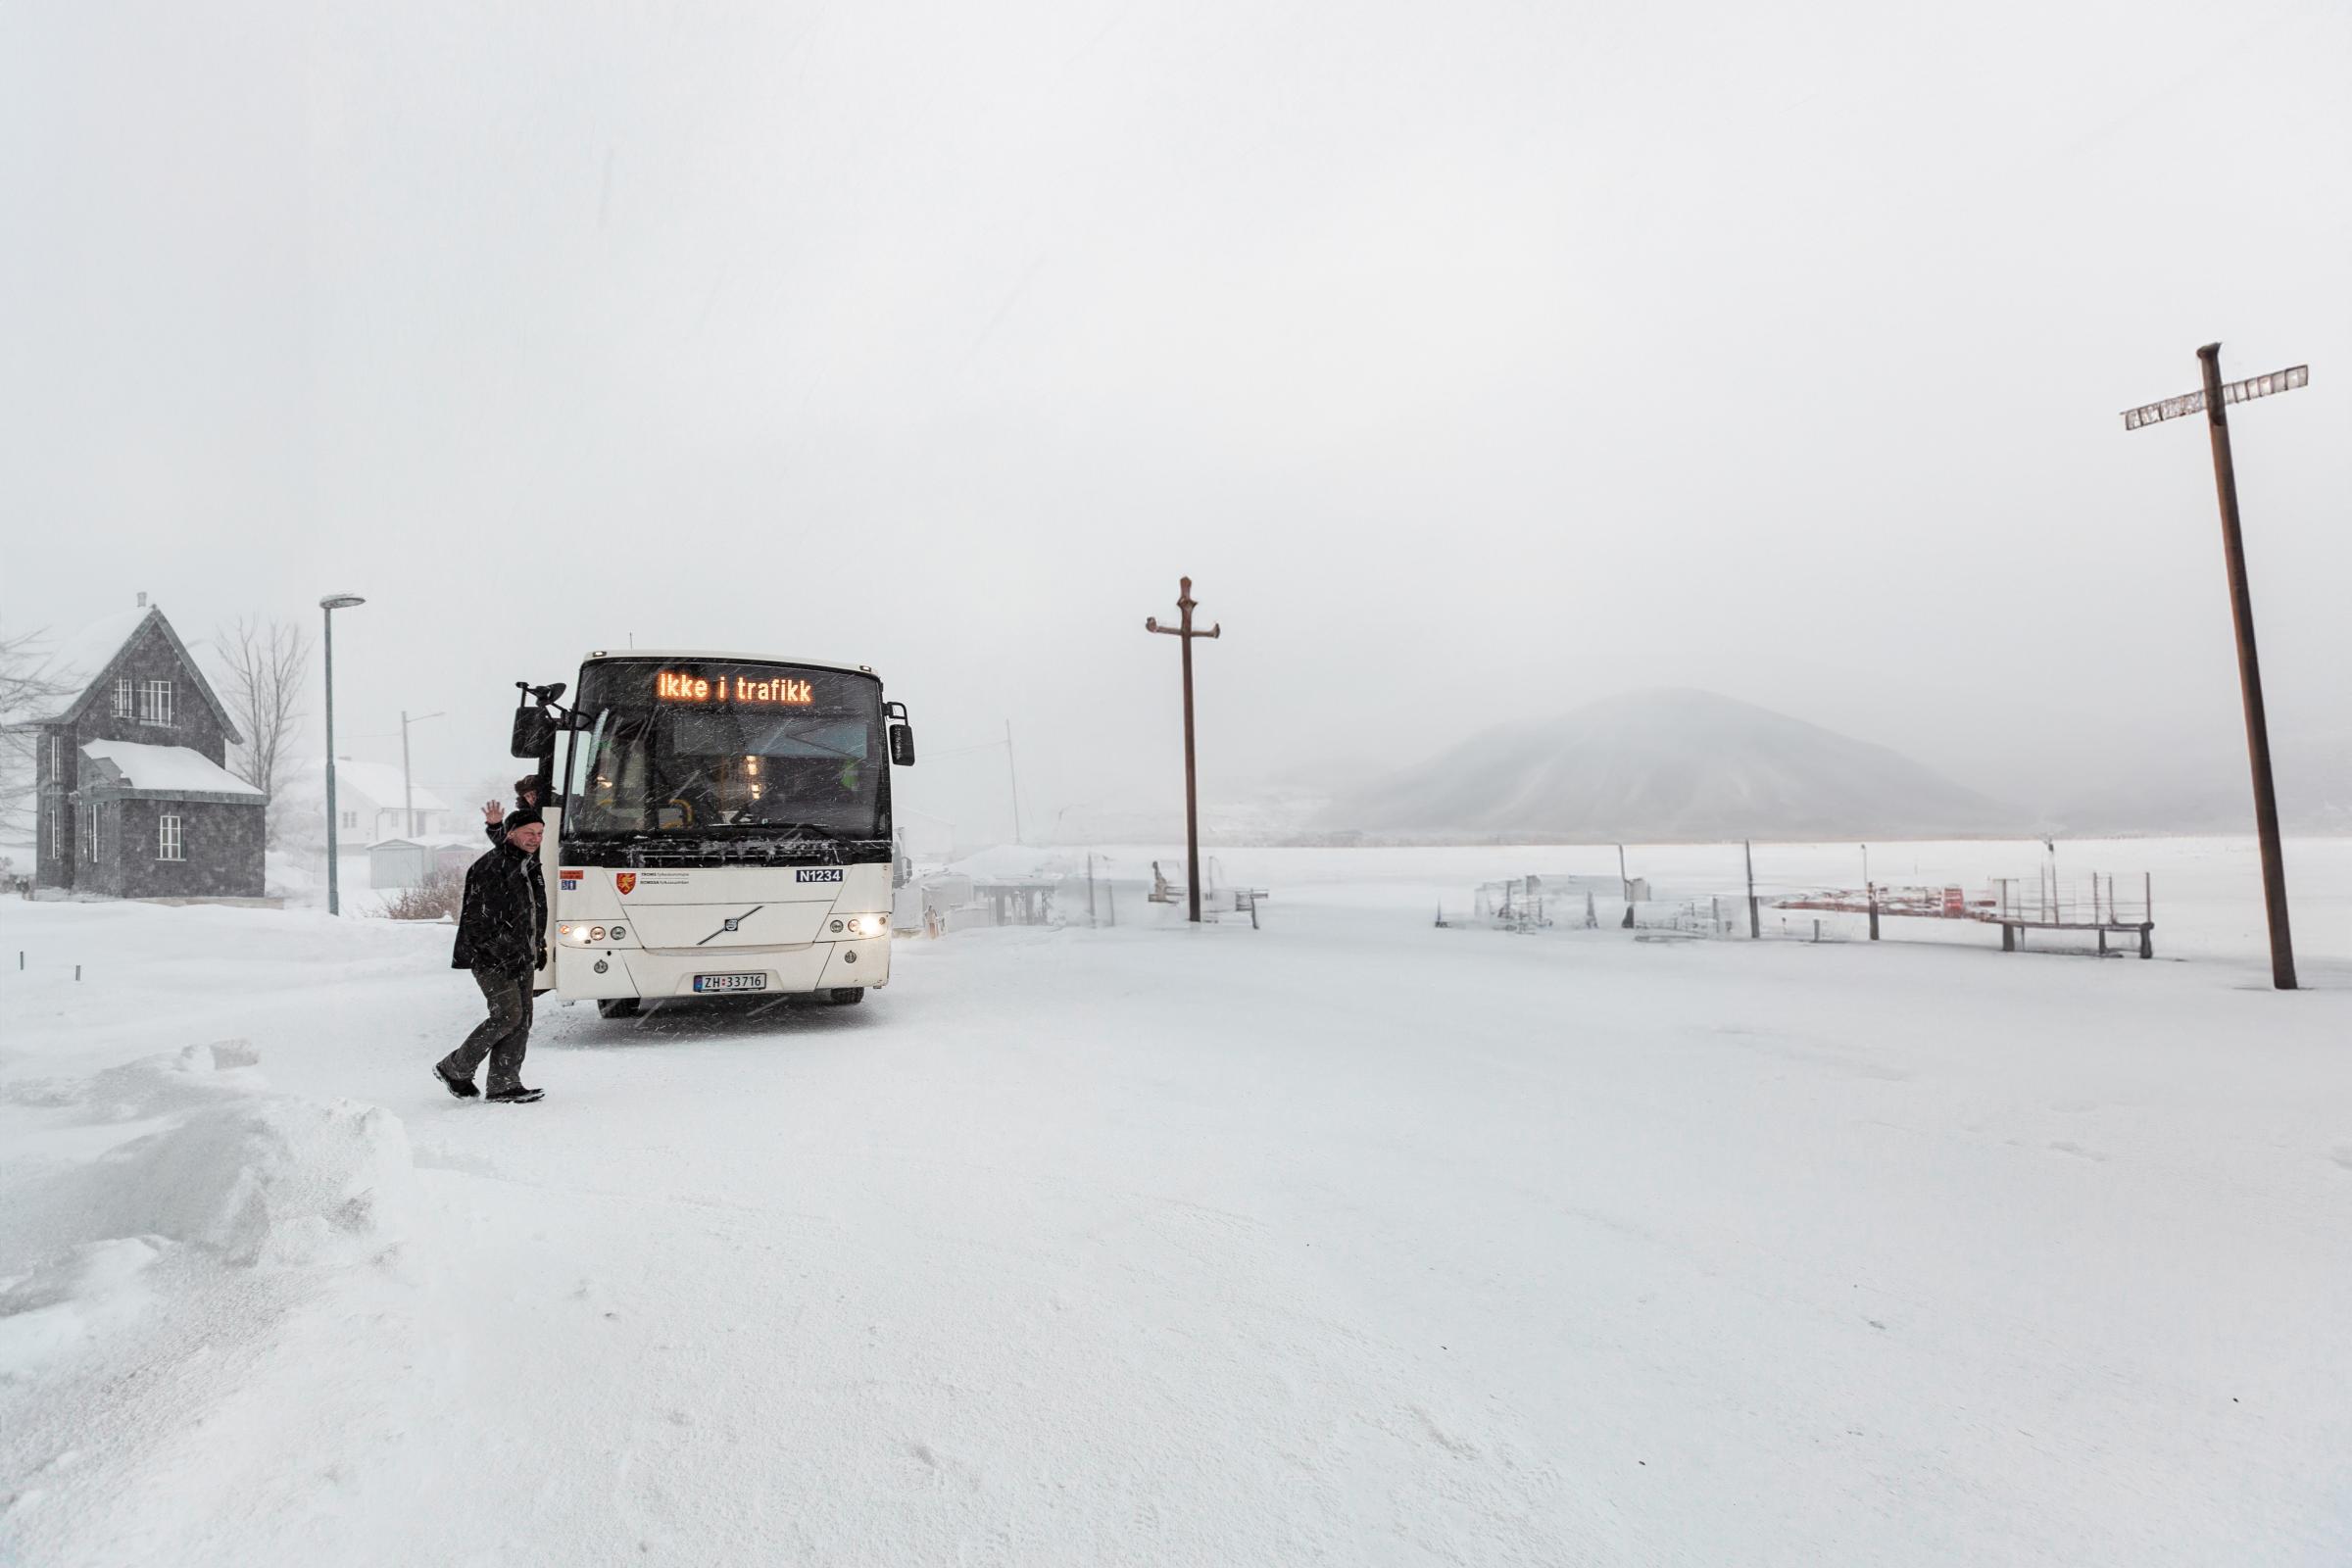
[
  {"x": 944, "y": 1467},
  {"x": 1459, "y": 1447}
]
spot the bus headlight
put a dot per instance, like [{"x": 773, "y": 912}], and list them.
[{"x": 868, "y": 925}]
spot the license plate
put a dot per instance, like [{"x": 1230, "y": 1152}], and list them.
[{"x": 731, "y": 982}]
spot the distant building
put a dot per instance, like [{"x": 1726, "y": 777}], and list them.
[
  {"x": 408, "y": 862},
  {"x": 132, "y": 799},
  {"x": 368, "y": 806}
]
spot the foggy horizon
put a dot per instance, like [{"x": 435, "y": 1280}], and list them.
[{"x": 1473, "y": 372}]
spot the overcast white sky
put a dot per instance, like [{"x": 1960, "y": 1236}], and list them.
[{"x": 1475, "y": 361}]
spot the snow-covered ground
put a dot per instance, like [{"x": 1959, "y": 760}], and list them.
[{"x": 1348, "y": 1240}]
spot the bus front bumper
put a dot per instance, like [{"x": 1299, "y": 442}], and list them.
[{"x": 582, "y": 973}]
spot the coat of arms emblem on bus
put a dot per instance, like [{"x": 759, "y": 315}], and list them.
[{"x": 625, "y": 881}]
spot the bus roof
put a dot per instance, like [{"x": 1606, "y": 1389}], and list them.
[{"x": 596, "y": 653}]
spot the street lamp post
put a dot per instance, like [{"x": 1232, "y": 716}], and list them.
[{"x": 327, "y": 607}]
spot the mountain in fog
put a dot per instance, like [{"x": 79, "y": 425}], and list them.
[
  {"x": 1662, "y": 765},
  {"x": 2207, "y": 790}
]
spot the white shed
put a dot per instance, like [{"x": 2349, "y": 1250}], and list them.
[{"x": 405, "y": 862}]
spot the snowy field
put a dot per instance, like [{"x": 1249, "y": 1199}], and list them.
[{"x": 1349, "y": 1241}]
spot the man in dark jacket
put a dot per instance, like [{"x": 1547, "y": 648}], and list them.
[
  {"x": 501, "y": 937},
  {"x": 526, "y": 799}
]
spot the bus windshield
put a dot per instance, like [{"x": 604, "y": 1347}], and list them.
[{"x": 729, "y": 751}]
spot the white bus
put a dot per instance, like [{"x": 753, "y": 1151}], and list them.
[{"x": 719, "y": 827}]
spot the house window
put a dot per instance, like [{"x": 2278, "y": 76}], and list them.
[
  {"x": 90, "y": 834},
  {"x": 167, "y": 839},
  {"x": 351, "y": 819},
  {"x": 122, "y": 708},
  {"x": 155, "y": 702}
]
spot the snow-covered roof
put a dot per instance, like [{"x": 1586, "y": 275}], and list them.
[
  {"x": 81, "y": 658},
  {"x": 433, "y": 841},
  {"x": 721, "y": 656},
  {"x": 378, "y": 784},
  {"x": 166, "y": 767},
  {"x": 73, "y": 660},
  {"x": 84, "y": 652}
]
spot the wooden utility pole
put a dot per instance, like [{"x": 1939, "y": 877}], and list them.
[
  {"x": 1192, "y": 789},
  {"x": 2249, "y": 675},
  {"x": 2213, "y": 399},
  {"x": 408, "y": 790},
  {"x": 1755, "y": 926},
  {"x": 1013, "y": 774}
]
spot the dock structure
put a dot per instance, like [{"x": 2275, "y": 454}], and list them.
[
  {"x": 2017, "y": 904},
  {"x": 2048, "y": 906}
]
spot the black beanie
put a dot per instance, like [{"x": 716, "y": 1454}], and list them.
[{"x": 522, "y": 818}]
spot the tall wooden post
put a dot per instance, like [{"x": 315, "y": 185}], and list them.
[
  {"x": 2249, "y": 675},
  {"x": 1755, "y": 926},
  {"x": 1012, "y": 775},
  {"x": 2213, "y": 399},
  {"x": 1182, "y": 629}
]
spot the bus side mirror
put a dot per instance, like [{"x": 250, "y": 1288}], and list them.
[
  {"x": 902, "y": 745},
  {"x": 534, "y": 733}
]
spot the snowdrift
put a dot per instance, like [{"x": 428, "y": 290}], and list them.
[{"x": 226, "y": 1176}]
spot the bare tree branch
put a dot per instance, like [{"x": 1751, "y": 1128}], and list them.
[
  {"x": 263, "y": 663},
  {"x": 29, "y": 679}
]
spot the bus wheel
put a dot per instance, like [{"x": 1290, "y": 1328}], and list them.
[
  {"x": 619, "y": 1006},
  {"x": 845, "y": 995}
]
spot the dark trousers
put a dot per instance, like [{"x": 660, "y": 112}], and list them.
[{"x": 501, "y": 1036}]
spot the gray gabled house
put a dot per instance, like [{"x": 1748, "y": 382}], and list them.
[{"x": 132, "y": 794}]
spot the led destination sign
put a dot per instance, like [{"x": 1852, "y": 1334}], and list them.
[{"x": 781, "y": 691}]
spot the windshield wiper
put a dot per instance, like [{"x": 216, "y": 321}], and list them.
[{"x": 810, "y": 830}]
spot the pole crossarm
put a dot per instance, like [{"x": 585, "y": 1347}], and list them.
[
  {"x": 2254, "y": 386},
  {"x": 1151, "y": 623}
]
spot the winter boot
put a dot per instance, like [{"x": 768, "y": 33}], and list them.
[
  {"x": 515, "y": 1095},
  {"x": 463, "y": 1088}
]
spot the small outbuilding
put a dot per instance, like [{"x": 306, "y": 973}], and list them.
[{"x": 409, "y": 862}]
